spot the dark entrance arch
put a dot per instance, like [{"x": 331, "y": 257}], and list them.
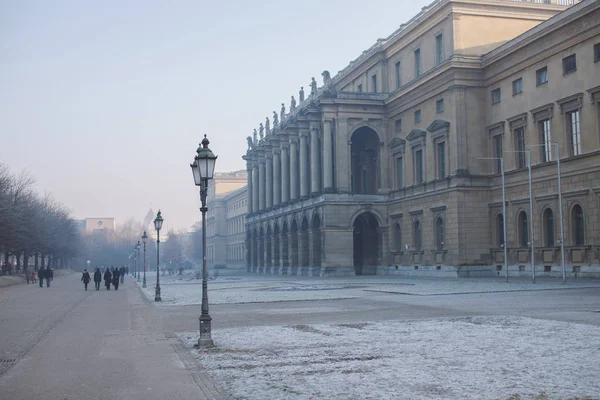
[
  {"x": 255, "y": 250},
  {"x": 304, "y": 252},
  {"x": 276, "y": 258},
  {"x": 365, "y": 161},
  {"x": 294, "y": 240},
  {"x": 316, "y": 242},
  {"x": 261, "y": 251},
  {"x": 284, "y": 249},
  {"x": 366, "y": 244},
  {"x": 268, "y": 248}
]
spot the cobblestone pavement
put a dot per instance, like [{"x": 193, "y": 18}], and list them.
[{"x": 65, "y": 343}]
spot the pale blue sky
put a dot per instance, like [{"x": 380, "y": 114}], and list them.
[{"x": 105, "y": 102}]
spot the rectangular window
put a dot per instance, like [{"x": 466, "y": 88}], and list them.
[
  {"x": 496, "y": 96},
  {"x": 417, "y": 116},
  {"x": 575, "y": 132},
  {"x": 597, "y": 52},
  {"x": 359, "y": 88},
  {"x": 569, "y": 64},
  {"x": 439, "y": 49},
  {"x": 441, "y": 159},
  {"x": 541, "y": 76},
  {"x": 398, "y": 125},
  {"x": 439, "y": 106},
  {"x": 400, "y": 172},
  {"x": 546, "y": 140},
  {"x": 398, "y": 75},
  {"x": 520, "y": 147},
  {"x": 517, "y": 86},
  {"x": 419, "y": 167},
  {"x": 498, "y": 152},
  {"x": 374, "y": 83},
  {"x": 417, "y": 63}
]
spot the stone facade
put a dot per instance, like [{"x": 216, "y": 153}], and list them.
[
  {"x": 227, "y": 200},
  {"x": 393, "y": 166}
]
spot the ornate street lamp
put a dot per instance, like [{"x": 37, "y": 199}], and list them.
[
  {"x": 203, "y": 170},
  {"x": 144, "y": 240},
  {"x": 158, "y": 222},
  {"x": 137, "y": 247}
]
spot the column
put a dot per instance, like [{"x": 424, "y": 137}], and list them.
[
  {"x": 255, "y": 187},
  {"x": 327, "y": 157},
  {"x": 304, "y": 183},
  {"x": 293, "y": 170},
  {"x": 285, "y": 176},
  {"x": 261, "y": 184},
  {"x": 276, "y": 179},
  {"x": 269, "y": 182},
  {"x": 250, "y": 188},
  {"x": 315, "y": 171}
]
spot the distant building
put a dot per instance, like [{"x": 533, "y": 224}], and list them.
[
  {"x": 226, "y": 219},
  {"x": 100, "y": 224}
]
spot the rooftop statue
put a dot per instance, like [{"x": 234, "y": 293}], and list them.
[
  {"x": 293, "y": 104},
  {"x": 282, "y": 112},
  {"x": 261, "y": 131},
  {"x": 267, "y": 127},
  {"x": 250, "y": 143},
  {"x": 328, "y": 88},
  {"x": 301, "y": 94},
  {"x": 275, "y": 119},
  {"x": 255, "y": 135},
  {"x": 313, "y": 87}
]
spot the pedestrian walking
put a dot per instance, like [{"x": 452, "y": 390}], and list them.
[
  {"x": 122, "y": 274},
  {"x": 97, "y": 278},
  {"x": 33, "y": 278},
  {"x": 85, "y": 278},
  {"x": 42, "y": 275},
  {"x": 116, "y": 278},
  {"x": 107, "y": 278},
  {"x": 49, "y": 276}
]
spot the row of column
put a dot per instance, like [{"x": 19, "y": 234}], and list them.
[{"x": 279, "y": 173}]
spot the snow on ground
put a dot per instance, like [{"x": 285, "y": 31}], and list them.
[
  {"x": 464, "y": 358},
  {"x": 186, "y": 290}
]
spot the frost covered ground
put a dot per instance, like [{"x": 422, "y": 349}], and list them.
[
  {"x": 464, "y": 358},
  {"x": 186, "y": 290}
]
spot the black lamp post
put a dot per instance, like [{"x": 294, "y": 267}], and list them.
[
  {"x": 203, "y": 169},
  {"x": 137, "y": 247},
  {"x": 158, "y": 221},
  {"x": 144, "y": 240}
]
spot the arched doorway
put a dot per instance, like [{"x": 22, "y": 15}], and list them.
[
  {"x": 366, "y": 244},
  {"x": 304, "y": 253},
  {"x": 255, "y": 249},
  {"x": 261, "y": 250},
  {"x": 249, "y": 250},
  {"x": 269, "y": 242},
  {"x": 284, "y": 249},
  {"x": 294, "y": 239},
  {"x": 276, "y": 259},
  {"x": 365, "y": 161},
  {"x": 316, "y": 241}
]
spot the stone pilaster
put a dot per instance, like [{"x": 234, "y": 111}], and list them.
[
  {"x": 269, "y": 181},
  {"x": 294, "y": 195},
  {"x": 255, "y": 188},
  {"x": 304, "y": 167},
  {"x": 327, "y": 157},
  {"x": 315, "y": 170},
  {"x": 261, "y": 185},
  {"x": 276, "y": 178},
  {"x": 285, "y": 175},
  {"x": 249, "y": 170}
]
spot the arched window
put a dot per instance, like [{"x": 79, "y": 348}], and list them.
[
  {"x": 548, "y": 223},
  {"x": 398, "y": 237},
  {"x": 500, "y": 230},
  {"x": 523, "y": 227},
  {"x": 417, "y": 235},
  {"x": 439, "y": 233},
  {"x": 577, "y": 225}
]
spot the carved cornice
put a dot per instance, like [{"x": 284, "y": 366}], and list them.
[
  {"x": 416, "y": 134},
  {"x": 570, "y": 103},
  {"x": 438, "y": 124},
  {"x": 543, "y": 112},
  {"x": 496, "y": 129},
  {"x": 438, "y": 209},
  {"x": 594, "y": 94},
  {"x": 397, "y": 145},
  {"x": 518, "y": 121}
]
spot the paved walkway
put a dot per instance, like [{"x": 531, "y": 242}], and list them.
[{"x": 65, "y": 343}]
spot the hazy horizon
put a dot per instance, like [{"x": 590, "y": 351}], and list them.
[{"x": 105, "y": 103}]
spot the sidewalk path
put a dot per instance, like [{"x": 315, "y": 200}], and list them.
[{"x": 65, "y": 343}]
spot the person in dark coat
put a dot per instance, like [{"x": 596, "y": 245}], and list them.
[
  {"x": 97, "y": 278},
  {"x": 49, "y": 276},
  {"x": 122, "y": 274},
  {"x": 85, "y": 278},
  {"x": 107, "y": 278},
  {"x": 41, "y": 276},
  {"x": 116, "y": 278}
]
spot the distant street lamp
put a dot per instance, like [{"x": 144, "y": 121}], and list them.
[
  {"x": 203, "y": 170},
  {"x": 144, "y": 240},
  {"x": 158, "y": 222},
  {"x": 137, "y": 247}
]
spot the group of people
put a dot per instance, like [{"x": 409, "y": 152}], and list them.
[
  {"x": 111, "y": 275},
  {"x": 43, "y": 273}
]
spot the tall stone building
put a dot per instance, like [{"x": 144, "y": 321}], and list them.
[
  {"x": 225, "y": 223},
  {"x": 393, "y": 166}
]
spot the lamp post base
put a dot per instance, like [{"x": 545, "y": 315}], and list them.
[
  {"x": 144, "y": 284},
  {"x": 205, "y": 339},
  {"x": 157, "y": 294}
]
